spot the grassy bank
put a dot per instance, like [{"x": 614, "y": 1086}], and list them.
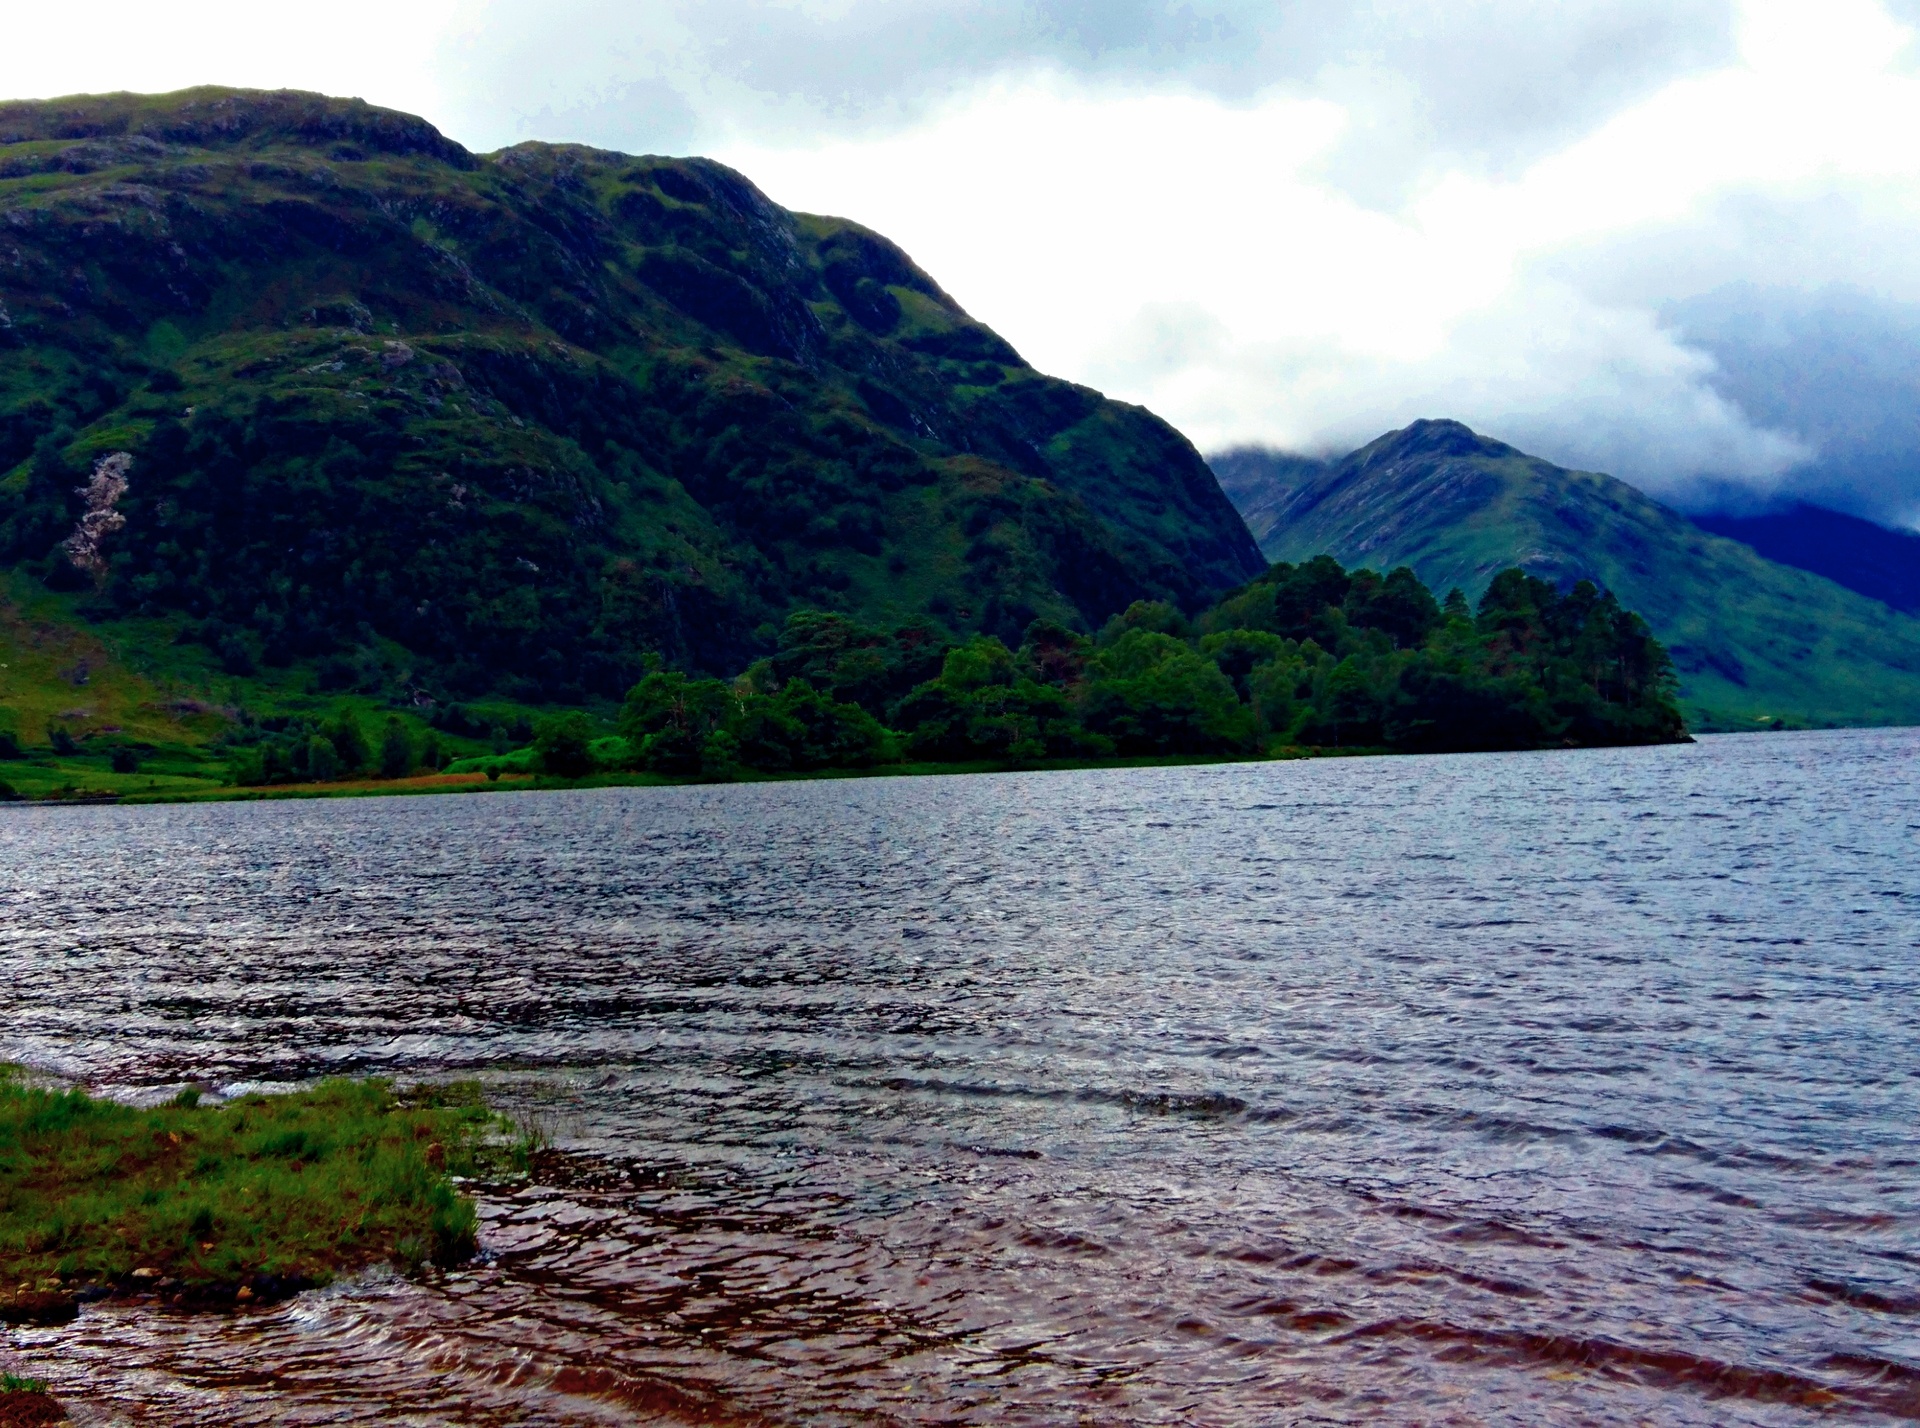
[
  {"x": 222, "y": 1203},
  {"x": 138, "y": 790}
]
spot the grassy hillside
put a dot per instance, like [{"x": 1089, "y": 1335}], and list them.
[
  {"x": 297, "y": 394},
  {"x": 1867, "y": 558},
  {"x": 1756, "y": 644}
]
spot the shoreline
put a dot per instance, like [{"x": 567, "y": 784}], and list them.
[
  {"x": 469, "y": 783},
  {"x": 474, "y": 782}
]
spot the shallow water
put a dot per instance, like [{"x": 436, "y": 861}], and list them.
[{"x": 1517, "y": 1089}]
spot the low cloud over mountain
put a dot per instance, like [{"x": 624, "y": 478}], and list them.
[{"x": 1601, "y": 230}]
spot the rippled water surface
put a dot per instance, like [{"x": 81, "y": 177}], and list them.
[{"x": 1569, "y": 1088}]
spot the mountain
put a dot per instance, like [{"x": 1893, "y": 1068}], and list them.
[
  {"x": 1756, "y": 643},
  {"x": 310, "y": 384},
  {"x": 1259, "y": 482},
  {"x": 1861, "y": 555}
]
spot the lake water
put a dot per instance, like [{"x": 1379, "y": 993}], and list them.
[{"x": 1517, "y": 1089}]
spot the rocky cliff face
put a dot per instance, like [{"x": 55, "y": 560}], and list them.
[{"x": 531, "y": 415}]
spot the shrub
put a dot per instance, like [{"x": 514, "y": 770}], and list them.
[
  {"x": 349, "y": 742},
  {"x": 562, "y": 745},
  {"x": 396, "y": 750},
  {"x": 124, "y": 761},
  {"x": 323, "y": 763},
  {"x": 10, "y": 745},
  {"x": 62, "y": 740}
]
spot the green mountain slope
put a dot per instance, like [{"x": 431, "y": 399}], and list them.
[
  {"x": 1754, "y": 642},
  {"x": 312, "y": 383}
]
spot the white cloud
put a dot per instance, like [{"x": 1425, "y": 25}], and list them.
[
  {"x": 384, "y": 51},
  {"x": 1194, "y": 254},
  {"x": 1296, "y": 221}
]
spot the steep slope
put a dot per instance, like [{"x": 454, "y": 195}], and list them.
[
  {"x": 1867, "y": 558},
  {"x": 1754, "y": 642},
  {"x": 1260, "y": 482},
  {"x": 519, "y": 422}
]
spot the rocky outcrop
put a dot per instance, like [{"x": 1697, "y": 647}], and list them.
[{"x": 102, "y": 493}]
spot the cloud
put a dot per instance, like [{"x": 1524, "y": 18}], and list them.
[
  {"x": 1296, "y": 222},
  {"x": 1193, "y": 253},
  {"x": 1484, "y": 83},
  {"x": 370, "y": 48},
  {"x": 1841, "y": 367}
]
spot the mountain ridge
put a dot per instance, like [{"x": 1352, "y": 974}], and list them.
[
  {"x": 1865, "y": 556},
  {"x": 1755, "y": 643},
  {"x": 526, "y": 421}
]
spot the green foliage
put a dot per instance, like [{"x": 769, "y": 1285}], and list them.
[
  {"x": 529, "y": 424},
  {"x": 1018, "y": 722},
  {"x": 563, "y": 745},
  {"x": 323, "y": 762},
  {"x": 798, "y": 728},
  {"x": 980, "y": 663},
  {"x": 1156, "y": 616},
  {"x": 1309, "y": 655},
  {"x": 980, "y": 708},
  {"x": 396, "y": 750},
  {"x": 1754, "y": 643},
  {"x": 349, "y": 741},
  {"x": 704, "y": 728},
  {"x": 680, "y": 726},
  {"x": 300, "y": 1186},
  {"x": 1151, "y": 693},
  {"x": 304, "y": 749},
  {"x": 851, "y": 662}
]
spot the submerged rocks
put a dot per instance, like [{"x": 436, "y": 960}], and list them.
[{"x": 29, "y": 1305}]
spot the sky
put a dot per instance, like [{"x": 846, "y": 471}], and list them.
[{"x": 1670, "y": 239}]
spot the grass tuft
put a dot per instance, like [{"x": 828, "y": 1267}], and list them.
[{"x": 260, "y": 1195}]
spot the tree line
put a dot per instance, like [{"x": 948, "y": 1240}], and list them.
[
  {"x": 1308, "y": 656},
  {"x": 298, "y": 749}
]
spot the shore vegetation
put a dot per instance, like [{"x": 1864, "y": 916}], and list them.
[
  {"x": 1305, "y": 660},
  {"x": 230, "y": 1202}
]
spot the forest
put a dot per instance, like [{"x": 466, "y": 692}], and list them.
[{"x": 1304, "y": 658}]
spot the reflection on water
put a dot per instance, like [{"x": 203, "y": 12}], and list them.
[{"x": 1572, "y": 1088}]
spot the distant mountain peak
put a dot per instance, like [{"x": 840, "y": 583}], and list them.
[
  {"x": 1431, "y": 437},
  {"x": 1755, "y": 642}
]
